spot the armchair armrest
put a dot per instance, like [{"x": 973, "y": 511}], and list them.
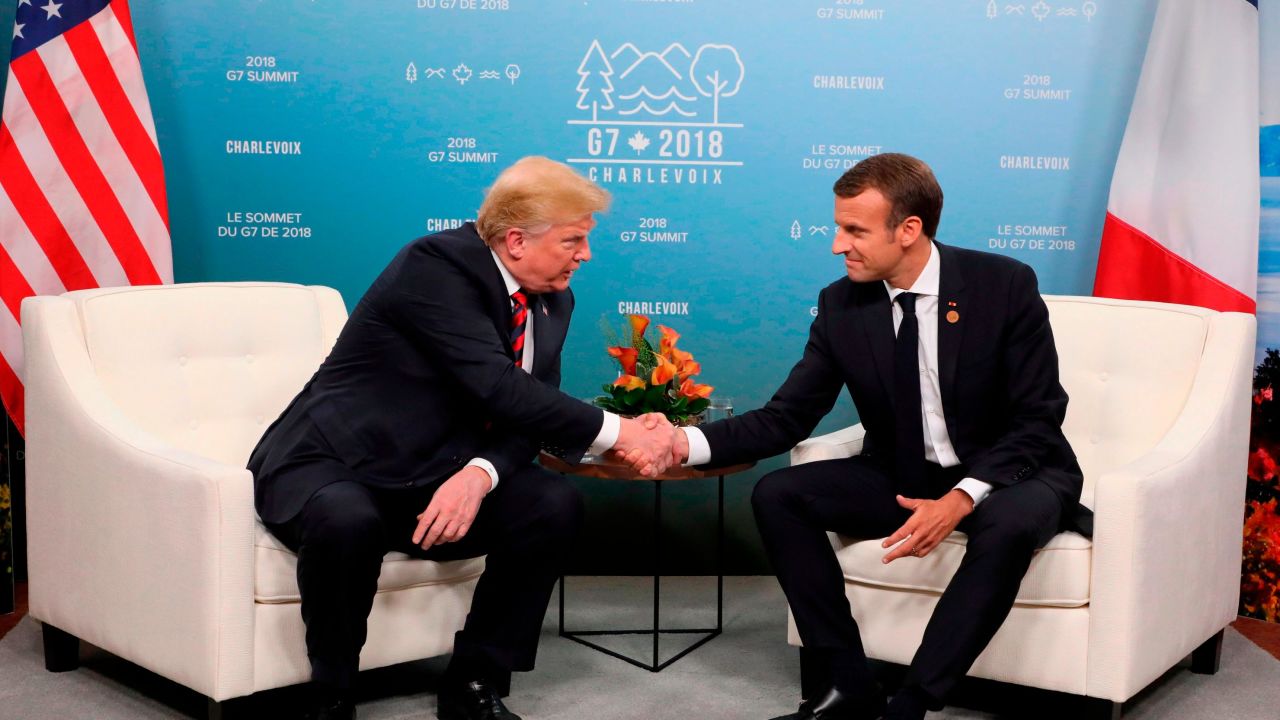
[
  {"x": 1167, "y": 540},
  {"x": 842, "y": 443},
  {"x": 139, "y": 547}
]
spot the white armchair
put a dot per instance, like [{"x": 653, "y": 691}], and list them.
[
  {"x": 143, "y": 405},
  {"x": 1159, "y": 418}
]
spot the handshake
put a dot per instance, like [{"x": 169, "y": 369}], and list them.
[{"x": 650, "y": 444}]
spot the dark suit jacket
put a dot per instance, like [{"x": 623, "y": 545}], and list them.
[
  {"x": 998, "y": 372},
  {"x": 422, "y": 379}
]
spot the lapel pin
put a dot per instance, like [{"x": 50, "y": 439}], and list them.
[{"x": 953, "y": 316}]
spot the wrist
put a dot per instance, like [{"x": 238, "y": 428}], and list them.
[{"x": 962, "y": 500}]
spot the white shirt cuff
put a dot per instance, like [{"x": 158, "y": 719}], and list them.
[
  {"x": 975, "y": 489},
  {"x": 488, "y": 467},
  {"x": 699, "y": 448},
  {"x": 608, "y": 436}
]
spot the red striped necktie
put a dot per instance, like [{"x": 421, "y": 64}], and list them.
[{"x": 519, "y": 321}]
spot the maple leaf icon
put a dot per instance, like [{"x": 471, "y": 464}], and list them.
[
  {"x": 462, "y": 73},
  {"x": 638, "y": 142}
]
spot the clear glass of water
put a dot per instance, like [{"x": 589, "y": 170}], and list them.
[{"x": 719, "y": 409}]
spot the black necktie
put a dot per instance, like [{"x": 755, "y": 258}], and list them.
[
  {"x": 519, "y": 321},
  {"x": 909, "y": 445}
]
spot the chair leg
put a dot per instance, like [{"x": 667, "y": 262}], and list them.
[
  {"x": 1099, "y": 709},
  {"x": 61, "y": 649},
  {"x": 815, "y": 675},
  {"x": 1206, "y": 659}
]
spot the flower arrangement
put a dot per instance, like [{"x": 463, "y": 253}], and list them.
[
  {"x": 652, "y": 380},
  {"x": 1260, "y": 577}
]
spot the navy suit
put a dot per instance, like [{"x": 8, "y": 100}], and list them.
[
  {"x": 420, "y": 381},
  {"x": 1003, "y": 407}
]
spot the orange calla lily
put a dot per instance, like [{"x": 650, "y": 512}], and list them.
[
  {"x": 630, "y": 382},
  {"x": 664, "y": 372},
  {"x": 626, "y": 357},
  {"x": 688, "y": 369},
  {"x": 694, "y": 391},
  {"x": 669, "y": 338},
  {"x": 639, "y": 323}
]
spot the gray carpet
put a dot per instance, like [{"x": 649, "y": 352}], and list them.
[{"x": 749, "y": 672}]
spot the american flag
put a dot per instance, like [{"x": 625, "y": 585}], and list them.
[{"x": 82, "y": 200}]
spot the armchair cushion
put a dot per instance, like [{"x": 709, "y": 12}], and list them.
[
  {"x": 1058, "y": 577},
  {"x": 275, "y": 571}
]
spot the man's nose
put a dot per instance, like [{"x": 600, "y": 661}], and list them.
[{"x": 584, "y": 253}]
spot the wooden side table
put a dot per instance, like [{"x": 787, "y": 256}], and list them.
[{"x": 595, "y": 468}]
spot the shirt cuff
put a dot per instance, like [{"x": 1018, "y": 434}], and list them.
[
  {"x": 608, "y": 436},
  {"x": 699, "y": 448},
  {"x": 975, "y": 489},
  {"x": 488, "y": 467}
]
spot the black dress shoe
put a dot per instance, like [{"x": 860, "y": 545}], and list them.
[
  {"x": 340, "y": 710},
  {"x": 476, "y": 700},
  {"x": 835, "y": 705}
]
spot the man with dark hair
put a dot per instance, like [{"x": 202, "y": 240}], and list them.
[
  {"x": 949, "y": 358},
  {"x": 419, "y": 430}
]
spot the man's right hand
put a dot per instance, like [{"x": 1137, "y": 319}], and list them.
[
  {"x": 680, "y": 448},
  {"x": 645, "y": 443}
]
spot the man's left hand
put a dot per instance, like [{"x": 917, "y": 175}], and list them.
[
  {"x": 930, "y": 523},
  {"x": 453, "y": 508}
]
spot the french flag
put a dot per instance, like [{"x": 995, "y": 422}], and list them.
[{"x": 1182, "y": 218}]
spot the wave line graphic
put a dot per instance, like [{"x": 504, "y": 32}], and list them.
[
  {"x": 645, "y": 107},
  {"x": 649, "y": 94}
]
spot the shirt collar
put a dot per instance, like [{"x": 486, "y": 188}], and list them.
[
  {"x": 507, "y": 278},
  {"x": 927, "y": 283}
]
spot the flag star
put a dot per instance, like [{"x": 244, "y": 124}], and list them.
[
  {"x": 17, "y": 30},
  {"x": 52, "y": 9},
  {"x": 23, "y": 2}
]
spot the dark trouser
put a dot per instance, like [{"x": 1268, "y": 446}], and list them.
[
  {"x": 524, "y": 527},
  {"x": 794, "y": 509}
]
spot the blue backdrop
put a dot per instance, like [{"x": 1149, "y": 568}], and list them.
[{"x": 306, "y": 141}]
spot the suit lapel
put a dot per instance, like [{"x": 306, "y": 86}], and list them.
[
  {"x": 546, "y": 328},
  {"x": 877, "y": 323},
  {"x": 951, "y": 306}
]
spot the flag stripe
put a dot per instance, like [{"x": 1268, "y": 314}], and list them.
[
  {"x": 120, "y": 11},
  {"x": 29, "y": 255},
  {"x": 10, "y": 384},
  {"x": 58, "y": 190},
  {"x": 123, "y": 56},
  {"x": 15, "y": 285},
  {"x": 137, "y": 144},
  {"x": 1164, "y": 276},
  {"x": 70, "y": 148},
  {"x": 103, "y": 145},
  {"x": 40, "y": 222}
]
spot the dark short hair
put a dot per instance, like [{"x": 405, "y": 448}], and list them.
[{"x": 906, "y": 182}]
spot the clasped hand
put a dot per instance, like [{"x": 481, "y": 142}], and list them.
[{"x": 645, "y": 443}]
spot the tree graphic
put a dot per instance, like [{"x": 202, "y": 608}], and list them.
[
  {"x": 595, "y": 87},
  {"x": 717, "y": 72},
  {"x": 411, "y": 73}
]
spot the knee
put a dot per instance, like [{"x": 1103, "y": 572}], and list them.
[
  {"x": 772, "y": 493},
  {"x": 344, "y": 530},
  {"x": 562, "y": 507},
  {"x": 1016, "y": 534}
]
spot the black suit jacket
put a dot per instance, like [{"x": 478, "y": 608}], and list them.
[
  {"x": 422, "y": 379},
  {"x": 998, "y": 370}
]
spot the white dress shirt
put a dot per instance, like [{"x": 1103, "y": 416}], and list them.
[
  {"x": 937, "y": 443},
  {"x": 609, "y": 430}
]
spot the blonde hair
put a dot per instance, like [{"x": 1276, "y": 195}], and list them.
[{"x": 537, "y": 192}]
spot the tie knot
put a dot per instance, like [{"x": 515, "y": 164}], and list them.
[
  {"x": 908, "y": 302},
  {"x": 520, "y": 298}
]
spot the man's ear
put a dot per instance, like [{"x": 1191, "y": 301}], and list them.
[
  {"x": 909, "y": 231},
  {"x": 516, "y": 242}
]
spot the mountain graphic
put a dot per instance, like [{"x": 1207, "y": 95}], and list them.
[{"x": 642, "y": 79}]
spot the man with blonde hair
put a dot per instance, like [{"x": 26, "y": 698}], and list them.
[{"x": 419, "y": 431}]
